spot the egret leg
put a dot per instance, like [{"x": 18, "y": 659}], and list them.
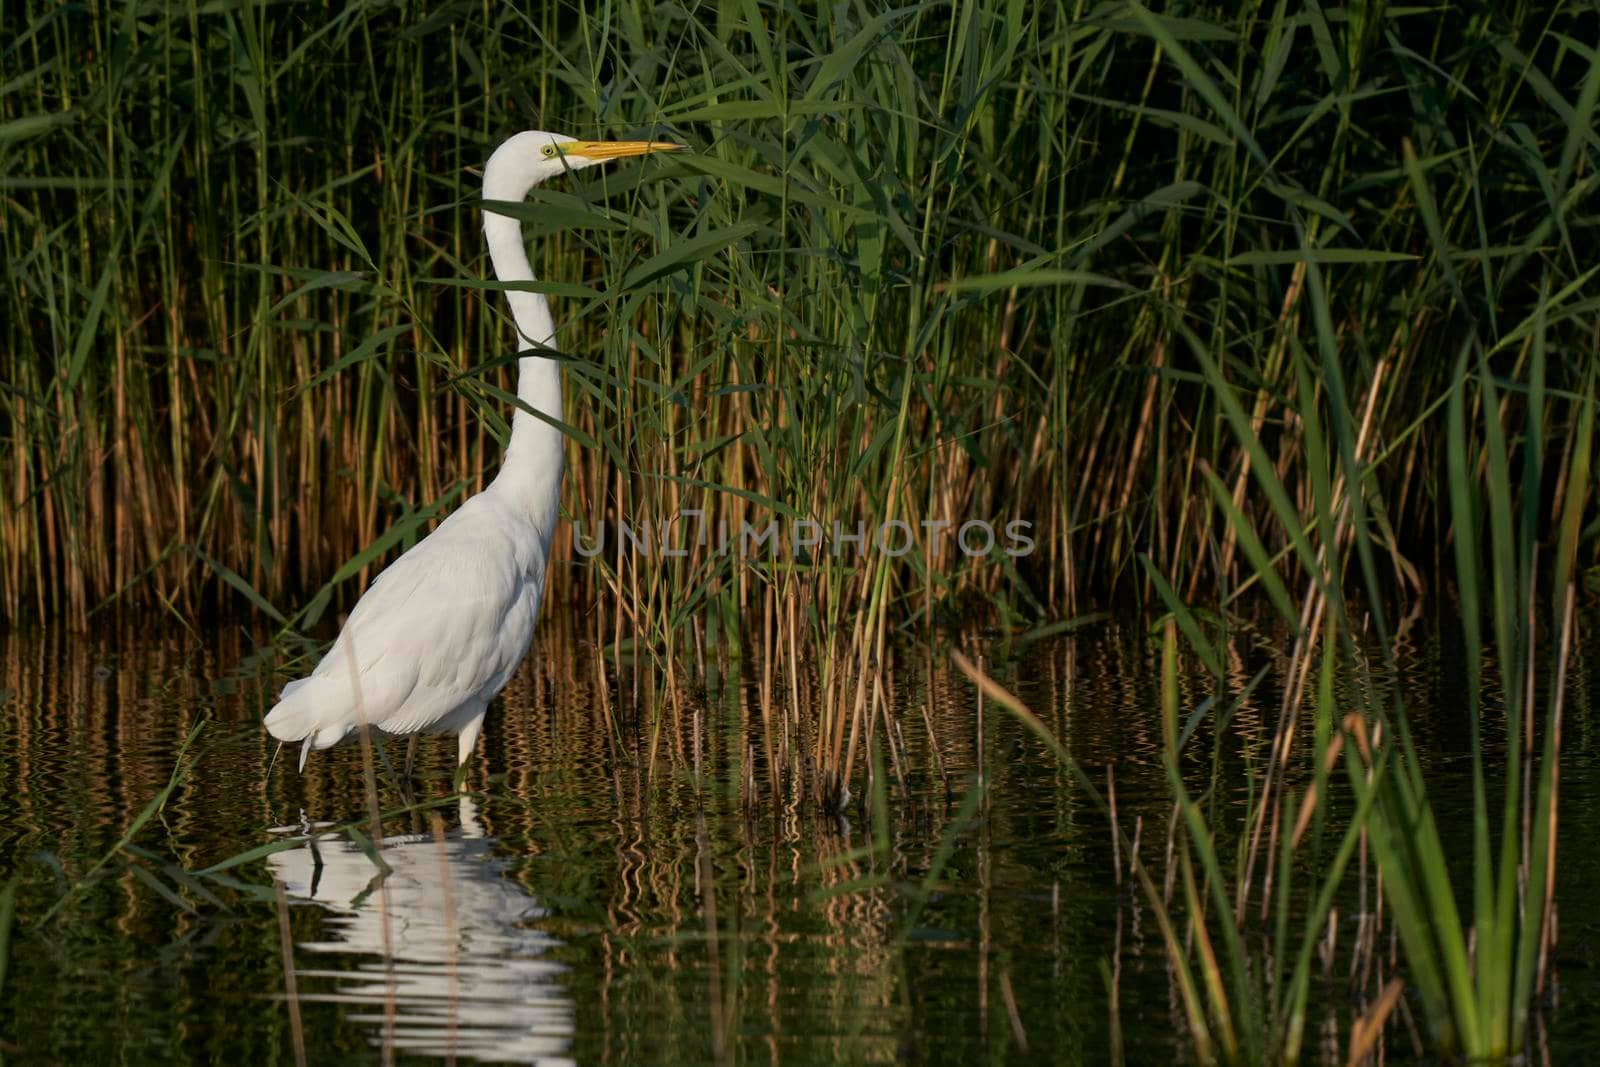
[
  {"x": 466, "y": 741},
  {"x": 411, "y": 755}
]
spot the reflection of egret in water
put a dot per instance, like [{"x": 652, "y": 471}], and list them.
[{"x": 453, "y": 966}]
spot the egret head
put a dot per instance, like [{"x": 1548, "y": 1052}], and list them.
[{"x": 534, "y": 156}]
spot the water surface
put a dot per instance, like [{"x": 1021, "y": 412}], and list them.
[{"x": 573, "y": 909}]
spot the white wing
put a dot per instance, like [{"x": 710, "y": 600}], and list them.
[{"x": 443, "y": 627}]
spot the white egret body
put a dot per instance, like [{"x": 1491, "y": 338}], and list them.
[{"x": 444, "y": 627}]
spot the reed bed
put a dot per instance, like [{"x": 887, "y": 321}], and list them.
[{"x": 928, "y": 263}]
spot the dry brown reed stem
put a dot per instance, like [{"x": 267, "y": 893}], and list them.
[
  {"x": 375, "y": 828},
  {"x": 1366, "y": 1032},
  {"x": 1019, "y": 1033},
  {"x": 291, "y": 987},
  {"x": 1547, "y": 935},
  {"x": 1113, "y": 974},
  {"x": 925, "y": 706},
  {"x": 1116, "y": 836},
  {"x": 1258, "y": 417},
  {"x": 1210, "y": 968},
  {"x": 985, "y": 864},
  {"x": 1308, "y": 805},
  {"x": 1314, "y": 604},
  {"x": 706, "y": 875},
  {"x": 981, "y": 734},
  {"x": 447, "y": 908}
]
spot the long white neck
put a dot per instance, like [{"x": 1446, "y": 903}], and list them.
[{"x": 530, "y": 474}]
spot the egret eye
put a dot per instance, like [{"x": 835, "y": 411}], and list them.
[{"x": 549, "y": 151}]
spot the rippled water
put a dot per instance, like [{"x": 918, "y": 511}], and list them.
[
  {"x": 572, "y": 910},
  {"x": 444, "y": 953}
]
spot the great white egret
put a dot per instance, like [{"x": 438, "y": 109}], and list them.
[{"x": 444, "y": 627}]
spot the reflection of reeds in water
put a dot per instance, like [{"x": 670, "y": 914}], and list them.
[
  {"x": 652, "y": 879},
  {"x": 84, "y": 754},
  {"x": 448, "y": 961},
  {"x": 703, "y": 927},
  {"x": 80, "y": 715},
  {"x": 693, "y": 929}
]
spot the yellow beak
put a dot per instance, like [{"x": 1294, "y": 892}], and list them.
[{"x": 601, "y": 150}]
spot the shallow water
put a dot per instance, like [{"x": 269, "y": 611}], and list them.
[{"x": 572, "y": 911}]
